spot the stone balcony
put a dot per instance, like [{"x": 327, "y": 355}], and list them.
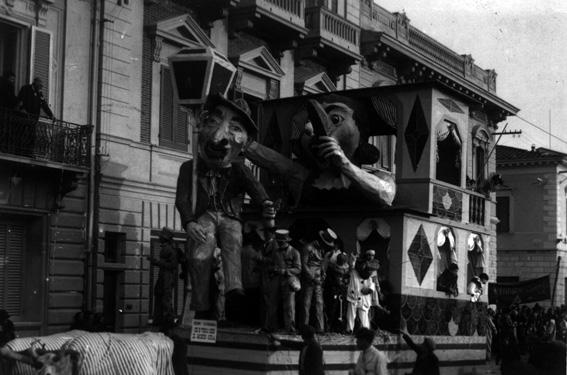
[
  {"x": 331, "y": 38},
  {"x": 397, "y": 27},
  {"x": 281, "y": 22}
]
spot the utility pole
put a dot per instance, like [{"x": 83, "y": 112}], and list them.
[{"x": 550, "y": 128}]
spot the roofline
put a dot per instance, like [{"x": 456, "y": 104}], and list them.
[{"x": 408, "y": 51}]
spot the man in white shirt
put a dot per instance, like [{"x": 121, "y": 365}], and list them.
[{"x": 371, "y": 360}]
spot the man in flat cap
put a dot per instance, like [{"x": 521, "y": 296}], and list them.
[{"x": 209, "y": 198}]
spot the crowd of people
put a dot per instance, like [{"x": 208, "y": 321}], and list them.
[
  {"x": 332, "y": 288},
  {"x": 529, "y": 336}
]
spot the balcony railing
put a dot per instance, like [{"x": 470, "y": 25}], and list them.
[
  {"x": 294, "y": 9},
  {"x": 398, "y": 26},
  {"x": 476, "y": 209},
  {"x": 323, "y": 23},
  {"x": 42, "y": 139}
]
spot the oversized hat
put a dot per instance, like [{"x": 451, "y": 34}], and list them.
[
  {"x": 166, "y": 234},
  {"x": 282, "y": 235},
  {"x": 239, "y": 106},
  {"x": 328, "y": 236}
]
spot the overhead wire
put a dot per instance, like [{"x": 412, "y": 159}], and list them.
[{"x": 542, "y": 129}]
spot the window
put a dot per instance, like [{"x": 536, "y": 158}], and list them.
[
  {"x": 386, "y": 145},
  {"x": 333, "y": 5},
  {"x": 448, "y": 153},
  {"x": 480, "y": 143},
  {"x": 174, "y": 119},
  {"x": 503, "y": 214},
  {"x": 27, "y": 57},
  {"x": 114, "y": 247},
  {"x": 21, "y": 267}
]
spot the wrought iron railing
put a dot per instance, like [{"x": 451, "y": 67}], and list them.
[
  {"x": 44, "y": 139},
  {"x": 476, "y": 209}
]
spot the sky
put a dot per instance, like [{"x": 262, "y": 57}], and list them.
[{"x": 525, "y": 41}]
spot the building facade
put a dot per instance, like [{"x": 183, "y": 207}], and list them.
[
  {"x": 532, "y": 218},
  {"x": 108, "y": 67}
]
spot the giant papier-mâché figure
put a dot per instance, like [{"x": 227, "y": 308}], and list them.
[
  {"x": 330, "y": 144},
  {"x": 213, "y": 218}
]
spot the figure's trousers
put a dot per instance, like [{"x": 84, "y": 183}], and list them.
[
  {"x": 362, "y": 315},
  {"x": 278, "y": 289},
  {"x": 313, "y": 292},
  {"x": 228, "y": 232}
]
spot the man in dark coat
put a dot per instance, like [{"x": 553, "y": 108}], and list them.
[
  {"x": 168, "y": 264},
  {"x": 311, "y": 355},
  {"x": 426, "y": 362},
  {"x": 214, "y": 220},
  {"x": 31, "y": 100},
  {"x": 283, "y": 270}
]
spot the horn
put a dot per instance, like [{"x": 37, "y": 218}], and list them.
[{"x": 27, "y": 356}]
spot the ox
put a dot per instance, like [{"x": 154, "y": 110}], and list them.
[{"x": 89, "y": 353}]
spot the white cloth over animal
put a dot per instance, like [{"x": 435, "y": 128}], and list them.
[{"x": 103, "y": 353}]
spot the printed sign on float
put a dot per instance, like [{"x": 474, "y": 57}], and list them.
[{"x": 204, "y": 331}]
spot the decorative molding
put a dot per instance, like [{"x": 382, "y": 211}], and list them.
[
  {"x": 468, "y": 65},
  {"x": 420, "y": 255},
  {"x": 156, "y": 50},
  {"x": 317, "y": 83},
  {"x": 450, "y": 105},
  {"x": 491, "y": 77},
  {"x": 182, "y": 30},
  {"x": 261, "y": 61},
  {"x": 417, "y": 133}
]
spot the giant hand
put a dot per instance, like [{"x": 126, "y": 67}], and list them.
[{"x": 196, "y": 232}]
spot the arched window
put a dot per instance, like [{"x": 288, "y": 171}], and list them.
[
  {"x": 448, "y": 263},
  {"x": 476, "y": 249},
  {"x": 480, "y": 143},
  {"x": 448, "y": 153}
]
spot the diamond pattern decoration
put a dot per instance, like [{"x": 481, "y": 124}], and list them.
[
  {"x": 450, "y": 105},
  {"x": 447, "y": 203},
  {"x": 420, "y": 254},
  {"x": 417, "y": 133}
]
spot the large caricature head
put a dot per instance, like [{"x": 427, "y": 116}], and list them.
[
  {"x": 225, "y": 128},
  {"x": 341, "y": 118}
]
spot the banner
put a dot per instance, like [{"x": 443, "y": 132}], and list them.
[{"x": 520, "y": 292}]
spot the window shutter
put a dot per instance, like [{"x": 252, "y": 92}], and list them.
[
  {"x": 503, "y": 214},
  {"x": 166, "y": 109},
  {"x": 41, "y": 59},
  {"x": 173, "y": 117},
  {"x": 181, "y": 126},
  {"x": 11, "y": 267}
]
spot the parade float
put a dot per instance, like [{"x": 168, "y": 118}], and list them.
[{"x": 416, "y": 188}]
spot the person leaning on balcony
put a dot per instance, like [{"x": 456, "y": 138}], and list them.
[{"x": 30, "y": 100}]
